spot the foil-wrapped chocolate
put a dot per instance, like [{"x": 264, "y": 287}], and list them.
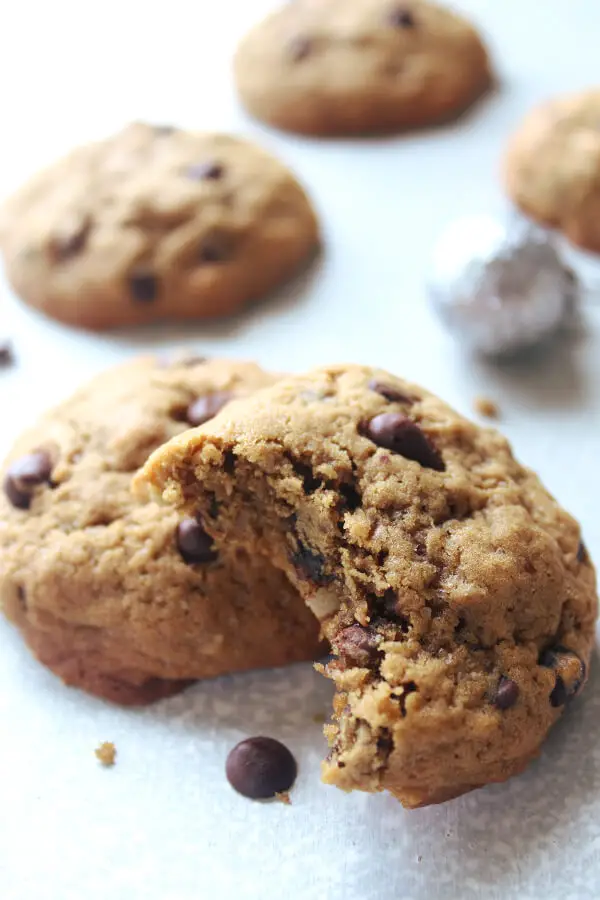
[{"x": 500, "y": 286}]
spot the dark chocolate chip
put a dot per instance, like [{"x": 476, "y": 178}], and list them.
[
  {"x": 204, "y": 408},
  {"x": 352, "y": 499},
  {"x": 24, "y": 475},
  {"x": 194, "y": 544},
  {"x": 384, "y": 742},
  {"x": 570, "y": 673},
  {"x": 401, "y": 17},
  {"x": 207, "y": 171},
  {"x": 357, "y": 646},
  {"x": 299, "y": 48},
  {"x": 21, "y": 597},
  {"x": 260, "y": 768},
  {"x": 389, "y": 392},
  {"x": 143, "y": 285},
  {"x": 409, "y": 688},
  {"x": 397, "y": 432},
  {"x": 72, "y": 241},
  {"x": 7, "y": 356},
  {"x": 507, "y": 693},
  {"x": 311, "y": 565},
  {"x": 582, "y": 554},
  {"x": 310, "y": 481},
  {"x": 215, "y": 248}
]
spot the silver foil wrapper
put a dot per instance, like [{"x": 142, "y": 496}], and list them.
[{"x": 500, "y": 286}]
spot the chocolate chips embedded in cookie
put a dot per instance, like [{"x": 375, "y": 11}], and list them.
[
  {"x": 204, "y": 408},
  {"x": 208, "y": 171},
  {"x": 397, "y": 432},
  {"x": 507, "y": 693},
  {"x": 143, "y": 285},
  {"x": 299, "y": 48},
  {"x": 194, "y": 544},
  {"x": 388, "y": 391},
  {"x": 582, "y": 554},
  {"x": 214, "y": 248},
  {"x": 310, "y": 565},
  {"x": 72, "y": 241},
  {"x": 357, "y": 646},
  {"x": 260, "y": 768},
  {"x": 401, "y": 17},
  {"x": 24, "y": 475},
  {"x": 570, "y": 673}
]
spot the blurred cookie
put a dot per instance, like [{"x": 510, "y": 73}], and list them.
[
  {"x": 155, "y": 223},
  {"x": 552, "y": 166},
  {"x": 125, "y": 600},
  {"x": 331, "y": 67}
]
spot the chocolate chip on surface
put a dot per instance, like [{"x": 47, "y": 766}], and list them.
[
  {"x": 311, "y": 565},
  {"x": 260, "y": 768},
  {"x": 389, "y": 392},
  {"x": 208, "y": 171},
  {"x": 194, "y": 544},
  {"x": 7, "y": 356},
  {"x": 143, "y": 284},
  {"x": 357, "y": 646},
  {"x": 507, "y": 693},
  {"x": 204, "y": 408},
  {"x": 397, "y": 432},
  {"x": 570, "y": 674},
  {"x": 24, "y": 475}
]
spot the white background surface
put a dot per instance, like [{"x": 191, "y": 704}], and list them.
[{"x": 163, "y": 824}]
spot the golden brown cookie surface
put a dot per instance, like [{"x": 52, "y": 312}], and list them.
[
  {"x": 156, "y": 223},
  {"x": 125, "y": 599},
  {"x": 552, "y": 166},
  {"x": 329, "y": 67},
  {"x": 456, "y": 592}
]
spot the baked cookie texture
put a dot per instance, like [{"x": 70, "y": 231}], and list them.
[
  {"x": 124, "y": 599},
  {"x": 552, "y": 166},
  {"x": 155, "y": 223},
  {"x": 455, "y": 591},
  {"x": 330, "y": 67}
]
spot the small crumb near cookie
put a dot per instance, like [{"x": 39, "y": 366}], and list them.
[
  {"x": 283, "y": 797},
  {"x": 106, "y": 753},
  {"x": 486, "y": 407}
]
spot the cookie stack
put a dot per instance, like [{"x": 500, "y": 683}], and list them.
[
  {"x": 181, "y": 519},
  {"x": 456, "y": 595}
]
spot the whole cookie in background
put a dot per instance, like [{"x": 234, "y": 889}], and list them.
[
  {"x": 126, "y": 600},
  {"x": 552, "y": 166},
  {"x": 457, "y": 594},
  {"x": 333, "y": 67},
  {"x": 155, "y": 223}
]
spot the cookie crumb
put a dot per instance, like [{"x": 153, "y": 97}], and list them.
[
  {"x": 486, "y": 407},
  {"x": 106, "y": 753},
  {"x": 283, "y": 797},
  {"x": 7, "y": 356}
]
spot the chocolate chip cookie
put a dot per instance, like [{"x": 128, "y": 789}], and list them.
[
  {"x": 130, "y": 601},
  {"x": 552, "y": 166},
  {"x": 156, "y": 223},
  {"x": 457, "y": 594},
  {"x": 330, "y": 67}
]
